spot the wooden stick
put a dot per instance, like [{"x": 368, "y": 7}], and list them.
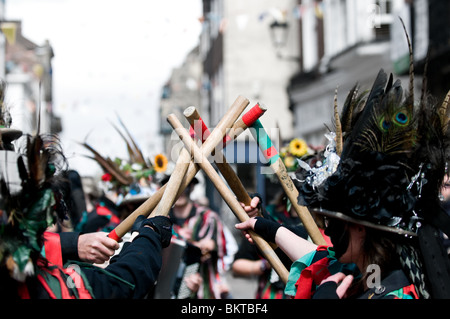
[
  {"x": 173, "y": 186},
  {"x": 202, "y": 131},
  {"x": 228, "y": 173},
  {"x": 226, "y": 194},
  {"x": 277, "y": 165},
  {"x": 216, "y": 136}
]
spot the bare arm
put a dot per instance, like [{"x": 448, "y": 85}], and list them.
[
  {"x": 292, "y": 245},
  {"x": 247, "y": 267}
]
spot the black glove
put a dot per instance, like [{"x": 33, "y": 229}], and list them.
[
  {"x": 161, "y": 225},
  {"x": 327, "y": 290},
  {"x": 138, "y": 223},
  {"x": 267, "y": 229}
]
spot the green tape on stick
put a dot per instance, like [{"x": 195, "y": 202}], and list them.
[{"x": 264, "y": 142}]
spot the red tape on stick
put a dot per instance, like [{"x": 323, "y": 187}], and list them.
[
  {"x": 191, "y": 132},
  {"x": 194, "y": 129},
  {"x": 205, "y": 132},
  {"x": 114, "y": 235},
  {"x": 252, "y": 115}
]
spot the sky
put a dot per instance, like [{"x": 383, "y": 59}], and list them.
[{"x": 111, "y": 59}]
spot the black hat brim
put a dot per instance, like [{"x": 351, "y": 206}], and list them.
[
  {"x": 341, "y": 216},
  {"x": 10, "y": 134}
]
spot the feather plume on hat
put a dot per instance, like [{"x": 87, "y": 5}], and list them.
[
  {"x": 32, "y": 196},
  {"x": 393, "y": 158},
  {"x": 130, "y": 179}
]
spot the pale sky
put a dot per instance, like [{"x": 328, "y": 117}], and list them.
[{"x": 111, "y": 57}]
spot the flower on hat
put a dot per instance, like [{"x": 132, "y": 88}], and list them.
[
  {"x": 298, "y": 147},
  {"x": 292, "y": 152},
  {"x": 106, "y": 177},
  {"x": 160, "y": 163}
]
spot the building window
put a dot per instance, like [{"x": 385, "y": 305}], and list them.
[
  {"x": 166, "y": 92},
  {"x": 385, "y": 6},
  {"x": 384, "y": 12}
]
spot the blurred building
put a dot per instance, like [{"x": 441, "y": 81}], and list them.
[
  {"x": 181, "y": 91},
  {"x": 27, "y": 69},
  {"x": 291, "y": 55},
  {"x": 239, "y": 50},
  {"x": 430, "y": 29},
  {"x": 240, "y": 53},
  {"x": 243, "y": 54},
  {"x": 348, "y": 41}
]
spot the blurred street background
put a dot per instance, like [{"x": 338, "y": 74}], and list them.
[{"x": 142, "y": 60}]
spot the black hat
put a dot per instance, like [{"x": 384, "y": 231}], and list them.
[
  {"x": 9, "y": 134},
  {"x": 391, "y": 164}
]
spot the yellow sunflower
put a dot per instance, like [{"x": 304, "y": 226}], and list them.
[
  {"x": 298, "y": 147},
  {"x": 160, "y": 163}
]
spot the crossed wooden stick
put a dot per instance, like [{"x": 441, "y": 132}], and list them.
[{"x": 192, "y": 158}]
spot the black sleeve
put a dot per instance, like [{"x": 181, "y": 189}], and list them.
[
  {"x": 69, "y": 245},
  {"x": 247, "y": 251},
  {"x": 327, "y": 290},
  {"x": 134, "y": 271}
]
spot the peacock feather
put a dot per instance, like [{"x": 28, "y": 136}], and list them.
[{"x": 382, "y": 122}]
